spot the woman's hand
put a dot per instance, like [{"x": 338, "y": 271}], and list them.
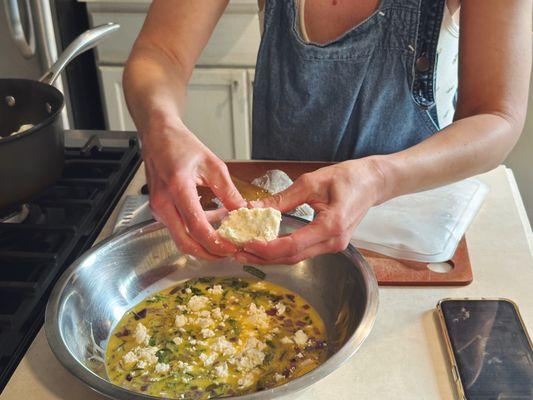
[
  {"x": 176, "y": 162},
  {"x": 340, "y": 194}
]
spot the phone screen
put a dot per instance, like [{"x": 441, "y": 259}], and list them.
[{"x": 493, "y": 355}]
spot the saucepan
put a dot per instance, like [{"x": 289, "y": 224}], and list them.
[
  {"x": 94, "y": 293},
  {"x": 33, "y": 159}
]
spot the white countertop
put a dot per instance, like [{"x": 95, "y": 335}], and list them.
[{"x": 404, "y": 356}]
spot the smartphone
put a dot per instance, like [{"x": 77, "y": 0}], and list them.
[{"x": 489, "y": 348}]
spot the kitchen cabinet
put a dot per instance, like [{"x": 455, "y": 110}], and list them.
[
  {"x": 217, "y": 108},
  {"x": 219, "y": 97}
]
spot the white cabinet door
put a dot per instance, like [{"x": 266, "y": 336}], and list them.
[{"x": 217, "y": 108}]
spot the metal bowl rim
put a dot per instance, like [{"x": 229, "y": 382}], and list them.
[{"x": 109, "y": 389}]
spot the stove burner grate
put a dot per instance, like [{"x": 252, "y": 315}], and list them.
[{"x": 50, "y": 233}]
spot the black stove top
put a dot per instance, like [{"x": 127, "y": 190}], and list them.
[{"x": 57, "y": 226}]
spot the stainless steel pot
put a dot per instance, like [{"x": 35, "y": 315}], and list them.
[
  {"x": 32, "y": 160},
  {"x": 94, "y": 293}
]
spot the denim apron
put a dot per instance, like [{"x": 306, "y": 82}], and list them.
[{"x": 370, "y": 91}]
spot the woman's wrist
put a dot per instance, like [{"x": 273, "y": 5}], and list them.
[{"x": 385, "y": 177}]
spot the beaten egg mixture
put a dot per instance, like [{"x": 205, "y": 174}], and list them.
[{"x": 215, "y": 337}]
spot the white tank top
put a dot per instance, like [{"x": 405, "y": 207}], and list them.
[{"x": 447, "y": 60}]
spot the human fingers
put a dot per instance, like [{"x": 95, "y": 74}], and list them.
[{"x": 186, "y": 200}]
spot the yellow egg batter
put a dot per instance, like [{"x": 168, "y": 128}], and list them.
[{"x": 215, "y": 337}]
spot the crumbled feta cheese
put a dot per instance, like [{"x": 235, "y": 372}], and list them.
[
  {"x": 161, "y": 368},
  {"x": 208, "y": 359},
  {"x": 280, "y": 307},
  {"x": 286, "y": 340},
  {"x": 247, "y": 224},
  {"x": 197, "y": 303},
  {"x": 246, "y": 381},
  {"x": 278, "y": 377},
  {"x": 217, "y": 314},
  {"x": 148, "y": 354},
  {"x": 207, "y": 333},
  {"x": 275, "y": 330},
  {"x": 252, "y": 356},
  {"x": 204, "y": 322},
  {"x": 299, "y": 355},
  {"x": 180, "y": 321},
  {"x": 300, "y": 338},
  {"x": 141, "y": 355},
  {"x": 223, "y": 346},
  {"x": 130, "y": 357},
  {"x": 222, "y": 370},
  {"x": 141, "y": 364},
  {"x": 257, "y": 316},
  {"x": 205, "y": 314},
  {"x": 188, "y": 290},
  {"x": 141, "y": 334},
  {"x": 216, "y": 290},
  {"x": 184, "y": 366},
  {"x": 181, "y": 307},
  {"x": 177, "y": 340}
]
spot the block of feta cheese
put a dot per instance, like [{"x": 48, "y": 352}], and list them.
[{"x": 248, "y": 224}]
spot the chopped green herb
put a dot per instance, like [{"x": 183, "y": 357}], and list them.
[
  {"x": 163, "y": 355},
  {"x": 271, "y": 344},
  {"x": 254, "y": 271},
  {"x": 196, "y": 291},
  {"x": 151, "y": 342},
  {"x": 156, "y": 298},
  {"x": 207, "y": 280}
]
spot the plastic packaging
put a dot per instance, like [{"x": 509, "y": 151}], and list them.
[{"x": 425, "y": 226}]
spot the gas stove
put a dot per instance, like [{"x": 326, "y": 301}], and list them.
[{"x": 38, "y": 240}]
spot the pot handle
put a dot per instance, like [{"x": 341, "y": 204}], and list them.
[{"x": 87, "y": 40}]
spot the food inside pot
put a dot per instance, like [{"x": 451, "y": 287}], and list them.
[
  {"x": 215, "y": 337},
  {"x": 21, "y": 129}
]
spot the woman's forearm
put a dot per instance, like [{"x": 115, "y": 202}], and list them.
[
  {"x": 467, "y": 147},
  {"x": 155, "y": 89}
]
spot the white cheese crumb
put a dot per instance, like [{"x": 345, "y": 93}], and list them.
[
  {"x": 222, "y": 370},
  {"x": 257, "y": 316},
  {"x": 216, "y": 290},
  {"x": 141, "y": 364},
  {"x": 246, "y": 381},
  {"x": 197, "y": 303},
  {"x": 205, "y": 314},
  {"x": 141, "y": 334},
  {"x": 208, "y": 359},
  {"x": 182, "y": 307},
  {"x": 188, "y": 291},
  {"x": 130, "y": 357},
  {"x": 161, "y": 368},
  {"x": 286, "y": 340},
  {"x": 217, "y": 313},
  {"x": 280, "y": 307},
  {"x": 278, "y": 377},
  {"x": 247, "y": 224},
  {"x": 223, "y": 346},
  {"x": 204, "y": 322},
  {"x": 180, "y": 321},
  {"x": 177, "y": 340},
  {"x": 300, "y": 338},
  {"x": 252, "y": 356},
  {"x": 207, "y": 333},
  {"x": 139, "y": 354},
  {"x": 184, "y": 366}
]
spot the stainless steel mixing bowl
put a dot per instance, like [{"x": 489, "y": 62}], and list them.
[{"x": 95, "y": 292}]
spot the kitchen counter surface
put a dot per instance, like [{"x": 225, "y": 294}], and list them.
[{"x": 404, "y": 356}]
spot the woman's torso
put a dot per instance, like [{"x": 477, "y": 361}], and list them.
[{"x": 330, "y": 56}]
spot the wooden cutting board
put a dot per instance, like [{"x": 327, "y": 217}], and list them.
[{"x": 389, "y": 271}]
